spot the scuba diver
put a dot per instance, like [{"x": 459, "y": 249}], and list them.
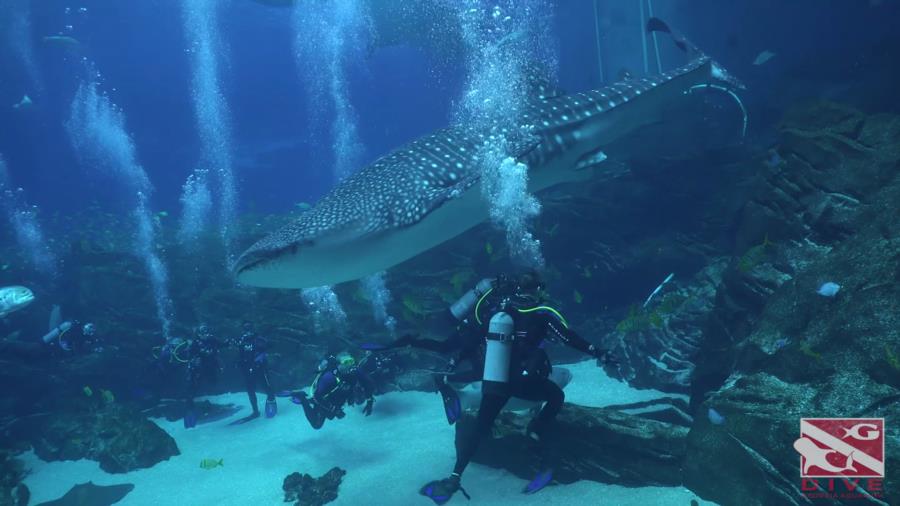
[
  {"x": 71, "y": 336},
  {"x": 253, "y": 360},
  {"x": 201, "y": 355},
  {"x": 465, "y": 344},
  {"x": 340, "y": 381},
  {"x": 513, "y": 324}
]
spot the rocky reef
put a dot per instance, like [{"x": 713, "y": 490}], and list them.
[
  {"x": 775, "y": 349},
  {"x": 304, "y": 490},
  {"x": 750, "y": 233},
  {"x": 12, "y": 491},
  {"x": 752, "y": 334},
  {"x": 605, "y": 445},
  {"x": 119, "y": 437}
]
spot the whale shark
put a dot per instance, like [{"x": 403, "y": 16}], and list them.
[{"x": 428, "y": 191}]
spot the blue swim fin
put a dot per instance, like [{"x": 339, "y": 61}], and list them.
[
  {"x": 452, "y": 404},
  {"x": 440, "y": 491},
  {"x": 540, "y": 481},
  {"x": 190, "y": 419}
]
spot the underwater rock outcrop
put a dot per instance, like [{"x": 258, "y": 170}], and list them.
[
  {"x": 598, "y": 444},
  {"x": 93, "y": 495},
  {"x": 657, "y": 343},
  {"x": 120, "y": 438},
  {"x": 304, "y": 490},
  {"x": 776, "y": 349},
  {"x": 12, "y": 491}
]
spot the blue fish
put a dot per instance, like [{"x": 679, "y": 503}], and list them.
[
  {"x": 828, "y": 289},
  {"x": 715, "y": 417}
]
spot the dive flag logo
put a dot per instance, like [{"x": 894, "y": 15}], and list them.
[{"x": 841, "y": 447}]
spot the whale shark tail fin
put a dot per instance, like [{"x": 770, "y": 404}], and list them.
[{"x": 694, "y": 52}]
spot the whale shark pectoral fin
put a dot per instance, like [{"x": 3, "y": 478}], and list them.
[{"x": 432, "y": 199}]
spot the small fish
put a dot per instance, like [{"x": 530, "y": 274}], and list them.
[
  {"x": 658, "y": 288},
  {"x": 302, "y": 206},
  {"x": 489, "y": 248},
  {"x": 62, "y": 40},
  {"x": 774, "y": 160},
  {"x": 763, "y": 57},
  {"x": 87, "y": 391},
  {"x": 107, "y": 396},
  {"x": 577, "y": 296},
  {"x": 828, "y": 289},
  {"x": 781, "y": 343},
  {"x": 715, "y": 417},
  {"x": 24, "y": 103},
  {"x": 162, "y": 214},
  {"x": 211, "y": 463}
]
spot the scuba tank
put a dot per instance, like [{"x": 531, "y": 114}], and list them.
[
  {"x": 498, "y": 352},
  {"x": 464, "y": 304},
  {"x": 56, "y": 332}
]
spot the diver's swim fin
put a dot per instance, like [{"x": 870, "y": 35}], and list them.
[
  {"x": 452, "y": 404},
  {"x": 271, "y": 408},
  {"x": 440, "y": 491},
  {"x": 190, "y": 419},
  {"x": 295, "y": 395},
  {"x": 540, "y": 481}
]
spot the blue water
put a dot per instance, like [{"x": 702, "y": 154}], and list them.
[
  {"x": 140, "y": 49},
  {"x": 183, "y": 130}
]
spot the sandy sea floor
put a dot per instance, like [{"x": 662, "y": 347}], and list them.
[{"x": 388, "y": 456}]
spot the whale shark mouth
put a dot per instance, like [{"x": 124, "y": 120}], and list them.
[{"x": 427, "y": 192}]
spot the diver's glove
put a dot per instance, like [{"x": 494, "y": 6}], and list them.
[
  {"x": 370, "y": 403},
  {"x": 604, "y": 357}
]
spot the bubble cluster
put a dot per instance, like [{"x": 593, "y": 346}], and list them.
[
  {"x": 97, "y": 130},
  {"x": 323, "y": 303},
  {"x": 19, "y": 38},
  {"x": 210, "y": 107},
  {"x": 328, "y": 37},
  {"x": 196, "y": 207},
  {"x": 502, "y": 38},
  {"x": 376, "y": 290},
  {"x": 24, "y": 223}
]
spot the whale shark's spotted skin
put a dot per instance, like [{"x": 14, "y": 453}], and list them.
[
  {"x": 396, "y": 191},
  {"x": 419, "y": 195}
]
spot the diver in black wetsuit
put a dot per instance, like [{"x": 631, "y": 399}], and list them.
[
  {"x": 253, "y": 360},
  {"x": 201, "y": 355},
  {"x": 514, "y": 365},
  {"x": 340, "y": 381}
]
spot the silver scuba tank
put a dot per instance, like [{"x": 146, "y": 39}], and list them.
[
  {"x": 498, "y": 353},
  {"x": 54, "y": 333},
  {"x": 460, "y": 309}
]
